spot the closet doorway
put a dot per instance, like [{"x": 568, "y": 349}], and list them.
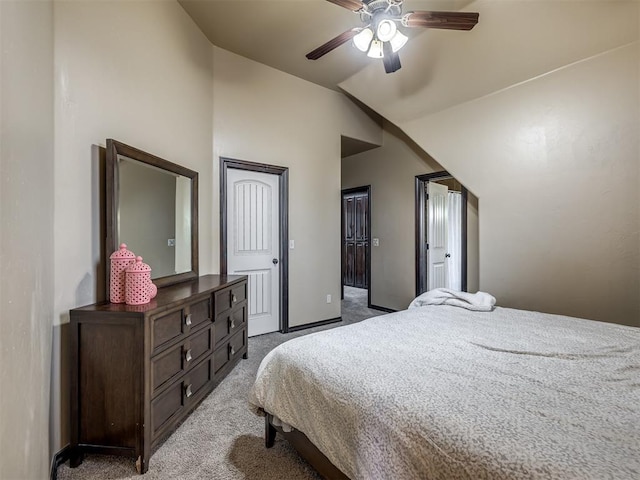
[
  {"x": 356, "y": 236},
  {"x": 441, "y": 233}
]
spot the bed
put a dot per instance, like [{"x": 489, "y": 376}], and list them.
[{"x": 442, "y": 392}]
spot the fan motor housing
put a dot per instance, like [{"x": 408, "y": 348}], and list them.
[
  {"x": 377, "y": 10},
  {"x": 375, "y": 6}
]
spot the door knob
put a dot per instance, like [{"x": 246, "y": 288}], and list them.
[
  {"x": 275, "y": 261},
  {"x": 448, "y": 255}
]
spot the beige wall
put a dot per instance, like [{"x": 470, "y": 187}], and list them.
[
  {"x": 139, "y": 72},
  {"x": 547, "y": 140},
  {"x": 391, "y": 171},
  {"x": 555, "y": 164},
  {"x": 263, "y": 115},
  {"x": 26, "y": 246}
]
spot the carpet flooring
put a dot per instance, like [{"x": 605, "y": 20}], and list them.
[{"x": 222, "y": 439}]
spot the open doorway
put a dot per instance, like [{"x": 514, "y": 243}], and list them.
[
  {"x": 441, "y": 233},
  {"x": 356, "y": 236}
]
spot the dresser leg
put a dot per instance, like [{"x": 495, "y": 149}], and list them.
[
  {"x": 141, "y": 465},
  {"x": 246, "y": 355},
  {"x": 76, "y": 458},
  {"x": 269, "y": 432}
]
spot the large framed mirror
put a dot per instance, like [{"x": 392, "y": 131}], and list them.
[{"x": 152, "y": 206}]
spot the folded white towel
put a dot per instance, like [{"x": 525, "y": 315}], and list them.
[{"x": 478, "y": 302}]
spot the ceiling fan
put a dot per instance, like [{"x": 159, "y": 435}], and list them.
[{"x": 380, "y": 36}]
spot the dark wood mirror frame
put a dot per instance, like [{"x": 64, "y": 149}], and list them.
[{"x": 115, "y": 148}]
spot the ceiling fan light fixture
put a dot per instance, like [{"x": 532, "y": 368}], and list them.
[
  {"x": 363, "y": 39},
  {"x": 386, "y": 30},
  {"x": 398, "y": 41},
  {"x": 376, "y": 49}
]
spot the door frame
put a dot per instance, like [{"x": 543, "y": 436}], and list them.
[
  {"x": 283, "y": 197},
  {"x": 347, "y": 191},
  {"x": 421, "y": 230}
]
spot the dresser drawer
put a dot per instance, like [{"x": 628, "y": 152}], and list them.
[
  {"x": 229, "y": 323},
  {"x": 167, "y": 407},
  {"x": 170, "y": 364},
  {"x": 228, "y": 298},
  {"x": 200, "y": 344},
  {"x": 178, "y": 399},
  {"x": 199, "y": 378},
  {"x": 166, "y": 367},
  {"x": 229, "y": 350},
  {"x": 200, "y": 312},
  {"x": 167, "y": 327}
]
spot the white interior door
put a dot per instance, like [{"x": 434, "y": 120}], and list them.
[
  {"x": 437, "y": 235},
  {"x": 253, "y": 243},
  {"x": 454, "y": 241}
]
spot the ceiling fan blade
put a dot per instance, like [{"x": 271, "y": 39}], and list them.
[
  {"x": 391, "y": 59},
  {"x": 353, "y": 5},
  {"x": 446, "y": 20},
  {"x": 333, "y": 44}
]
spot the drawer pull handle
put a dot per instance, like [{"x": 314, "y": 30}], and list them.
[
  {"x": 187, "y": 355},
  {"x": 187, "y": 320},
  {"x": 232, "y": 324},
  {"x": 234, "y": 299},
  {"x": 232, "y": 350},
  {"x": 187, "y": 391}
]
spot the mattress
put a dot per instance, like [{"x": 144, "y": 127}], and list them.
[{"x": 440, "y": 392}]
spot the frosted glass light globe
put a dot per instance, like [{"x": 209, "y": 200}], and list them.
[
  {"x": 386, "y": 30},
  {"x": 376, "y": 49},
  {"x": 363, "y": 39},
  {"x": 398, "y": 41}
]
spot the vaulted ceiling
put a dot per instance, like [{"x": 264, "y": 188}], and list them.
[
  {"x": 514, "y": 42},
  {"x": 279, "y": 33}
]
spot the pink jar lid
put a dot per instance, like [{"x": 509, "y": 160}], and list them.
[
  {"x": 138, "y": 266},
  {"x": 122, "y": 253}
]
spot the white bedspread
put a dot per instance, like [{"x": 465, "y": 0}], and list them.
[{"x": 440, "y": 392}]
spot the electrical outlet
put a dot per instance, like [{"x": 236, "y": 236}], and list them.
[
  {"x": 171, "y": 242},
  {"x": 328, "y": 298},
  {"x": 376, "y": 242}
]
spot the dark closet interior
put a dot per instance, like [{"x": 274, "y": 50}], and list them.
[{"x": 355, "y": 240}]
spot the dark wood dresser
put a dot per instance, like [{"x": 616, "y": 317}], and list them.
[{"x": 138, "y": 371}]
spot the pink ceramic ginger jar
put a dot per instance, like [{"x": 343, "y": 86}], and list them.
[
  {"x": 120, "y": 260},
  {"x": 139, "y": 288}
]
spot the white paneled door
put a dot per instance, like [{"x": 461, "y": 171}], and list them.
[
  {"x": 253, "y": 244},
  {"x": 437, "y": 235}
]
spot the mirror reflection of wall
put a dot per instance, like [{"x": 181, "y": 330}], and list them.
[
  {"x": 183, "y": 224},
  {"x": 154, "y": 216}
]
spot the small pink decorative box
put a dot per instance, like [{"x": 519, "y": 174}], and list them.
[
  {"x": 139, "y": 288},
  {"x": 120, "y": 259}
]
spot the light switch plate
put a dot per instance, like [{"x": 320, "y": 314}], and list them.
[
  {"x": 292, "y": 244},
  {"x": 376, "y": 242}
]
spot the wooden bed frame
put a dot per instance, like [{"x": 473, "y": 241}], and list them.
[{"x": 305, "y": 448}]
